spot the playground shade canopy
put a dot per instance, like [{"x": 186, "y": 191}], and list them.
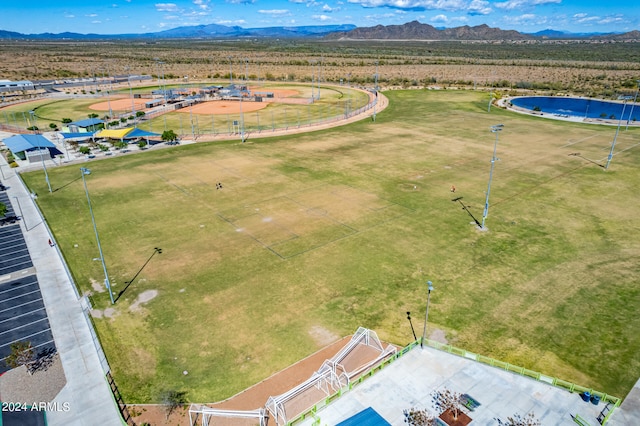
[
  {"x": 114, "y": 133},
  {"x": 126, "y": 133}
]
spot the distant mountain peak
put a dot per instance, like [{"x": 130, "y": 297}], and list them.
[{"x": 415, "y": 30}]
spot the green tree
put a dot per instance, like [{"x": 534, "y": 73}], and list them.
[
  {"x": 67, "y": 120},
  {"x": 3, "y": 209},
  {"x": 169, "y": 136},
  {"x": 84, "y": 150},
  {"x": 93, "y": 115},
  {"x": 121, "y": 144},
  {"x": 22, "y": 353},
  {"x": 142, "y": 143}
]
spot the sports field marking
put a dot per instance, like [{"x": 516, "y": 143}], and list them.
[
  {"x": 305, "y": 220},
  {"x": 578, "y": 141}
]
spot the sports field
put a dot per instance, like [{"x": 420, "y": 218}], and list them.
[
  {"x": 291, "y": 106},
  {"x": 313, "y": 235}
]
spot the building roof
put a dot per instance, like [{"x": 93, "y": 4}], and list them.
[
  {"x": 20, "y": 143},
  {"x": 87, "y": 122}
]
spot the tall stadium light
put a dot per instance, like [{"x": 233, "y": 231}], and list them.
[
  {"x": 44, "y": 166},
  {"x": 613, "y": 144},
  {"x": 133, "y": 105},
  {"x": 635, "y": 99},
  {"x": 109, "y": 89},
  {"x": 313, "y": 82},
  {"x": 241, "y": 120},
  {"x": 426, "y": 315},
  {"x": 494, "y": 129},
  {"x": 375, "y": 89},
  {"x": 85, "y": 171},
  {"x": 230, "y": 71}
]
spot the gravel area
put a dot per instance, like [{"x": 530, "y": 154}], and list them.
[{"x": 17, "y": 385}]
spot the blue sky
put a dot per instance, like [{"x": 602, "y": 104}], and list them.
[{"x": 140, "y": 16}]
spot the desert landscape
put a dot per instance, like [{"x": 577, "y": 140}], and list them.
[{"x": 588, "y": 68}]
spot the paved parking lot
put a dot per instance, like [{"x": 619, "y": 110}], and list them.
[
  {"x": 14, "y": 255},
  {"x": 23, "y": 317}
]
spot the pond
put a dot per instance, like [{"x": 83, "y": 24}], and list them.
[{"x": 580, "y": 107}]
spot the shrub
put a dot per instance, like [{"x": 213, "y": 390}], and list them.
[{"x": 22, "y": 353}]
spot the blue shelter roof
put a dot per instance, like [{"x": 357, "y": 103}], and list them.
[
  {"x": 88, "y": 122},
  {"x": 139, "y": 133},
  {"x": 84, "y": 135},
  {"x": 20, "y": 143}
]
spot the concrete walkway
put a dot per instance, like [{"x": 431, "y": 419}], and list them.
[{"x": 86, "y": 398}]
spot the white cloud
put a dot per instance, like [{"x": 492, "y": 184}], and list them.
[
  {"x": 479, "y": 7},
  {"x": 91, "y": 15},
  {"x": 441, "y": 19},
  {"x": 321, "y": 17},
  {"x": 415, "y": 4},
  {"x": 611, "y": 20},
  {"x": 228, "y": 22},
  {"x": 69, "y": 15},
  {"x": 96, "y": 22},
  {"x": 520, "y": 4},
  {"x": 166, "y": 7},
  {"x": 274, "y": 11},
  {"x": 241, "y": 1},
  {"x": 202, "y": 4}
]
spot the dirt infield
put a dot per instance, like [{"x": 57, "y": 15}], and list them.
[
  {"x": 224, "y": 107},
  {"x": 119, "y": 104},
  {"x": 277, "y": 93}
]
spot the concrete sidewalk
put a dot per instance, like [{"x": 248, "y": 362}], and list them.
[{"x": 86, "y": 399}]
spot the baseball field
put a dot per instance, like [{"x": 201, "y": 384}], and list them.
[{"x": 274, "y": 248}]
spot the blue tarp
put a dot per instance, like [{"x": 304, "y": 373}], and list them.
[
  {"x": 20, "y": 143},
  {"x": 366, "y": 417}
]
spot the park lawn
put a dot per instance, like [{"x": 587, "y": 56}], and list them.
[{"x": 316, "y": 234}]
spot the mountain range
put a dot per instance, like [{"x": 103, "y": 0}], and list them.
[{"x": 410, "y": 31}]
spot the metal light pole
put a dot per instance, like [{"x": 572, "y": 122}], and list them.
[
  {"x": 376, "y": 92},
  {"x": 494, "y": 129},
  {"x": 133, "y": 105},
  {"x": 107, "y": 284},
  {"x": 108, "y": 89},
  {"x": 426, "y": 315},
  {"x": 44, "y": 166},
  {"x": 613, "y": 144},
  {"x": 635, "y": 98}
]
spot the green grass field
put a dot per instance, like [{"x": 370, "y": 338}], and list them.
[{"x": 316, "y": 234}]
